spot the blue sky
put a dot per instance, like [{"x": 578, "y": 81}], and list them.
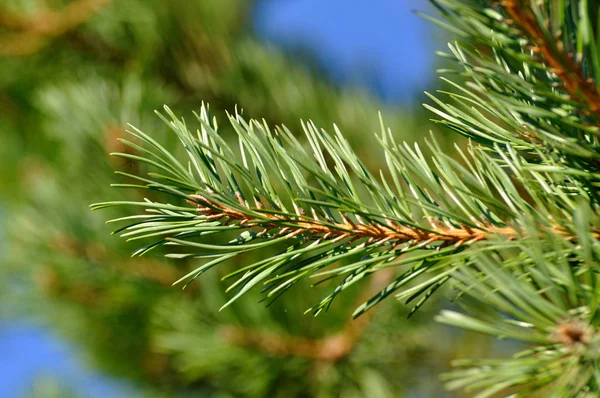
[
  {"x": 34, "y": 353},
  {"x": 381, "y": 44}
]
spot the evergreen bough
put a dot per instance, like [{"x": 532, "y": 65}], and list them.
[{"x": 511, "y": 224}]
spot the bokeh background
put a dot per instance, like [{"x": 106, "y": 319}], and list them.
[{"x": 78, "y": 316}]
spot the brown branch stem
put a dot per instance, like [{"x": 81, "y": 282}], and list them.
[
  {"x": 569, "y": 72},
  {"x": 392, "y": 233}
]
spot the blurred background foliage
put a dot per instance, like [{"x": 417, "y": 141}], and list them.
[{"x": 72, "y": 75}]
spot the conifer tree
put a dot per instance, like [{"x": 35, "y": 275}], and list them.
[{"x": 511, "y": 226}]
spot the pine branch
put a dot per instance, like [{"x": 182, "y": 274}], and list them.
[
  {"x": 472, "y": 208},
  {"x": 513, "y": 95},
  {"x": 579, "y": 87},
  {"x": 569, "y": 73},
  {"x": 368, "y": 232}
]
